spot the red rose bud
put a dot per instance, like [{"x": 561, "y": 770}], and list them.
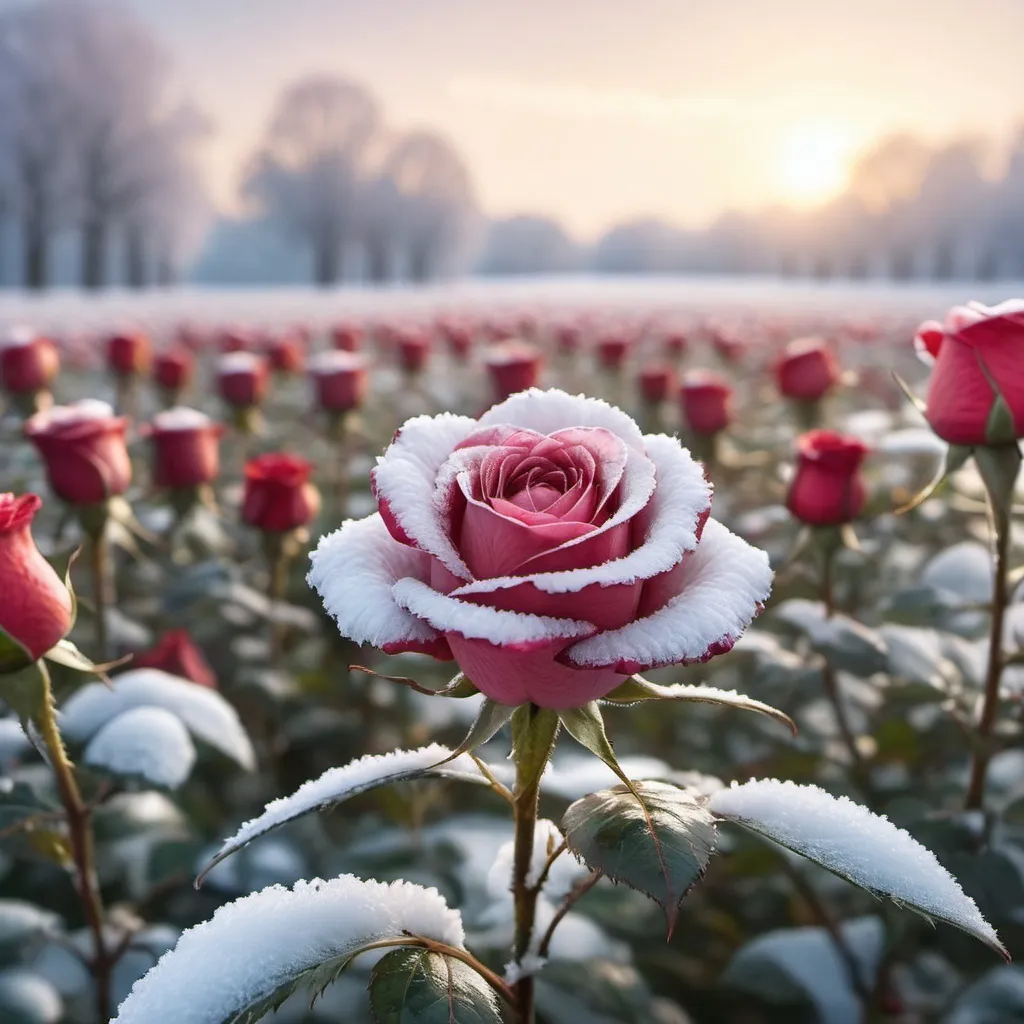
[
  {"x": 657, "y": 382},
  {"x": 976, "y": 390},
  {"x": 234, "y": 339},
  {"x": 568, "y": 339},
  {"x": 458, "y": 337},
  {"x": 827, "y": 489},
  {"x": 611, "y": 352},
  {"x": 35, "y": 606},
  {"x": 128, "y": 354},
  {"x": 84, "y": 448},
  {"x": 242, "y": 379},
  {"x": 186, "y": 448},
  {"x": 347, "y": 337},
  {"x": 807, "y": 370},
  {"x": 28, "y": 362},
  {"x": 674, "y": 345},
  {"x": 173, "y": 370},
  {"x": 340, "y": 379},
  {"x": 286, "y": 356},
  {"x": 191, "y": 337},
  {"x": 729, "y": 349},
  {"x": 176, "y": 653},
  {"x": 513, "y": 366},
  {"x": 278, "y": 494},
  {"x": 413, "y": 350},
  {"x": 706, "y": 401}
]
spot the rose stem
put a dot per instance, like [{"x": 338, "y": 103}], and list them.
[
  {"x": 79, "y": 819},
  {"x": 277, "y": 554},
  {"x": 533, "y": 738},
  {"x": 983, "y": 749},
  {"x": 98, "y": 553}
]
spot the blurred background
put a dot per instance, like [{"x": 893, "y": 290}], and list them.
[{"x": 147, "y": 143}]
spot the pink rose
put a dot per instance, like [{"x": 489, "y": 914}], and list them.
[{"x": 549, "y": 547}]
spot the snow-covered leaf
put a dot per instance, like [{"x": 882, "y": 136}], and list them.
[
  {"x": 27, "y": 998},
  {"x": 144, "y": 742},
  {"x": 864, "y": 848},
  {"x": 20, "y": 922},
  {"x": 253, "y": 953}
]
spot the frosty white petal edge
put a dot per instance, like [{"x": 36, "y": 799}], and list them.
[{"x": 252, "y": 947}]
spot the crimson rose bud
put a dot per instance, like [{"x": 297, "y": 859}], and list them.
[
  {"x": 242, "y": 379},
  {"x": 286, "y": 356},
  {"x": 347, "y": 337},
  {"x": 706, "y": 401},
  {"x": 807, "y": 370},
  {"x": 84, "y": 448},
  {"x": 568, "y": 339},
  {"x": 976, "y": 390},
  {"x": 278, "y": 494},
  {"x": 674, "y": 344},
  {"x": 657, "y": 381},
  {"x": 128, "y": 354},
  {"x": 513, "y": 366},
  {"x": 173, "y": 369},
  {"x": 340, "y": 380},
  {"x": 35, "y": 606},
  {"x": 413, "y": 350},
  {"x": 28, "y": 362},
  {"x": 234, "y": 339},
  {"x": 176, "y": 653},
  {"x": 459, "y": 338},
  {"x": 612, "y": 351},
  {"x": 827, "y": 489},
  {"x": 186, "y": 448}
]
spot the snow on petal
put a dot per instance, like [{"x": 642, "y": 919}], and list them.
[
  {"x": 478, "y": 622},
  {"x": 724, "y": 582},
  {"x": 405, "y": 480},
  {"x": 148, "y": 742},
  {"x": 252, "y": 947},
  {"x": 206, "y": 714},
  {"x": 353, "y": 570},
  {"x": 848, "y": 839}
]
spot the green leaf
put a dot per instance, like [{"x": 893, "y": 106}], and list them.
[
  {"x": 13, "y": 656},
  {"x": 24, "y": 691},
  {"x": 416, "y": 986},
  {"x": 657, "y": 838},
  {"x": 28, "y": 998},
  {"x": 67, "y": 654},
  {"x": 490, "y": 718},
  {"x": 637, "y": 688}
]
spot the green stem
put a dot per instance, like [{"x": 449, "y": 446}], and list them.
[
  {"x": 98, "y": 556},
  {"x": 278, "y": 554}
]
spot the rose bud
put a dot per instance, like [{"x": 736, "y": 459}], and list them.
[
  {"x": 128, "y": 354},
  {"x": 28, "y": 362},
  {"x": 176, "y": 653},
  {"x": 827, "y": 489},
  {"x": 513, "y": 366},
  {"x": 976, "y": 390},
  {"x": 674, "y": 345},
  {"x": 286, "y": 356},
  {"x": 550, "y": 547},
  {"x": 35, "y": 606},
  {"x": 706, "y": 402},
  {"x": 83, "y": 446},
  {"x": 568, "y": 339},
  {"x": 186, "y": 448},
  {"x": 234, "y": 339},
  {"x": 191, "y": 337},
  {"x": 347, "y": 337},
  {"x": 729, "y": 349},
  {"x": 278, "y": 495},
  {"x": 612, "y": 351},
  {"x": 807, "y": 370},
  {"x": 413, "y": 351},
  {"x": 173, "y": 371},
  {"x": 340, "y": 379},
  {"x": 242, "y": 379},
  {"x": 459, "y": 338},
  {"x": 657, "y": 382}
]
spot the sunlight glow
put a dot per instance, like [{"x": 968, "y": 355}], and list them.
[{"x": 814, "y": 163}]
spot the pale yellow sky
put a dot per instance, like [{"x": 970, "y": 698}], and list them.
[{"x": 599, "y": 110}]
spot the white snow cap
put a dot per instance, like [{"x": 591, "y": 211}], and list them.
[
  {"x": 251, "y": 947},
  {"x": 865, "y": 848},
  {"x": 18, "y": 336},
  {"x": 76, "y": 412},
  {"x": 334, "y": 360},
  {"x": 239, "y": 362},
  {"x": 147, "y": 742},
  {"x": 181, "y": 418},
  {"x": 513, "y": 351}
]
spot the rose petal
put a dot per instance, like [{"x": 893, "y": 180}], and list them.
[
  {"x": 725, "y": 581},
  {"x": 353, "y": 570}
]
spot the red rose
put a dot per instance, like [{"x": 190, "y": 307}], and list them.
[
  {"x": 657, "y": 381},
  {"x": 827, "y": 489},
  {"x": 674, "y": 344},
  {"x": 278, "y": 495},
  {"x": 347, "y": 337},
  {"x": 459, "y": 338},
  {"x": 807, "y": 370},
  {"x": 286, "y": 356},
  {"x": 513, "y": 366},
  {"x": 28, "y": 362},
  {"x": 176, "y": 653},
  {"x": 340, "y": 379},
  {"x": 173, "y": 370},
  {"x": 729, "y": 348},
  {"x": 242, "y": 379},
  {"x": 83, "y": 445},
  {"x": 234, "y": 339},
  {"x": 978, "y": 358},
  {"x": 413, "y": 350},
  {"x": 128, "y": 354},
  {"x": 186, "y": 448},
  {"x": 706, "y": 401},
  {"x": 568, "y": 339},
  {"x": 35, "y": 606},
  {"x": 612, "y": 351}
]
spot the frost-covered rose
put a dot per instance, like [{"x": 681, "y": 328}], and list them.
[{"x": 549, "y": 547}]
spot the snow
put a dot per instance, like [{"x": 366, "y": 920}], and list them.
[
  {"x": 479, "y": 622},
  {"x": 13, "y": 741},
  {"x": 354, "y": 569},
  {"x": 206, "y": 714},
  {"x": 565, "y": 870},
  {"x": 251, "y": 947},
  {"x": 181, "y": 418},
  {"x": 912, "y": 441},
  {"x": 334, "y": 360},
  {"x": 963, "y": 570},
  {"x": 239, "y": 362},
  {"x": 571, "y": 777},
  {"x": 74, "y": 412},
  {"x": 23, "y": 990},
  {"x": 148, "y": 742},
  {"x": 723, "y": 584},
  {"x": 338, "y": 784},
  {"x": 865, "y": 848},
  {"x": 18, "y": 336}
]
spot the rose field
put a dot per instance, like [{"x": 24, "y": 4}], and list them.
[{"x": 552, "y": 653}]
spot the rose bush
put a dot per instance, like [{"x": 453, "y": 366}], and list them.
[
  {"x": 549, "y": 547},
  {"x": 827, "y": 489}
]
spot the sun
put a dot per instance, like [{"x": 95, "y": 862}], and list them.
[{"x": 814, "y": 163}]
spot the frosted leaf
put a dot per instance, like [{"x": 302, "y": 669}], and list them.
[
  {"x": 206, "y": 714},
  {"x": 27, "y": 996},
  {"x": 963, "y": 570},
  {"x": 264, "y": 942},
  {"x": 864, "y": 848},
  {"x": 723, "y": 584},
  {"x": 339, "y": 784},
  {"x": 181, "y": 417},
  {"x": 146, "y": 742}
]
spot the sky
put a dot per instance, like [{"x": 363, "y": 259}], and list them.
[{"x": 597, "y": 111}]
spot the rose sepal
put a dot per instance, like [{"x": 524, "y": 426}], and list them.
[
  {"x": 65, "y": 653},
  {"x": 458, "y": 686},
  {"x": 999, "y": 467},
  {"x": 490, "y": 718}
]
